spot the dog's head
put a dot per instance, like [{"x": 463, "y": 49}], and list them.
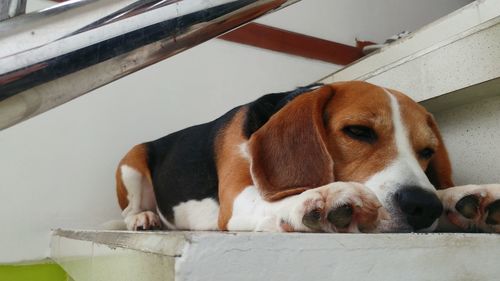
[{"x": 356, "y": 131}]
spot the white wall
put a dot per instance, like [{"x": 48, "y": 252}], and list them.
[
  {"x": 57, "y": 169},
  {"x": 472, "y": 134}
]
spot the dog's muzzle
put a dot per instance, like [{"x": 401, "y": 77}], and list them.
[{"x": 420, "y": 207}]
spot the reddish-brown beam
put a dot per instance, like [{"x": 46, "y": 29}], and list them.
[{"x": 285, "y": 41}]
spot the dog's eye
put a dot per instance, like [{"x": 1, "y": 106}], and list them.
[
  {"x": 426, "y": 153},
  {"x": 361, "y": 133}
]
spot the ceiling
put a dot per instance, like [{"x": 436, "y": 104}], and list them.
[{"x": 337, "y": 23}]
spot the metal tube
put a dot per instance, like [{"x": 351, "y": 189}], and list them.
[
  {"x": 55, "y": 55},
  {"x": 11, "y": 8}
]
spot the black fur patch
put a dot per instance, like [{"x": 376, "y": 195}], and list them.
[
  {"x": 263, "y": 108},
  {"x": 183, "y": 167}
]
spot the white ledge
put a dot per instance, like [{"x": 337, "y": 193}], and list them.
[{"x": 115, "y": 255}]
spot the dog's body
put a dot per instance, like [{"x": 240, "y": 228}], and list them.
[{"x": 344, "y": 157}]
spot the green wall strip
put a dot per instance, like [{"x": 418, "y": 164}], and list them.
[{"x": 32, "y": 272}]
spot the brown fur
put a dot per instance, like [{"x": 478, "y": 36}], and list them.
[
  {"x": 439, "y": 169},
  {"x": 359, "y": 103},
  {"x": 289, "y": 153},
  {"x": 136, "y": 158},
  {"x": 233, "y": 170}
]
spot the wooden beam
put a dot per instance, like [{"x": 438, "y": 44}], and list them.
[{"x": 284, "y": 41}]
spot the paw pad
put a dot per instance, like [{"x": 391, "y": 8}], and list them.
[
  {"x": 312, "y": 219},
  {"x": 341, "y": 217},
  {"x": 493, "y": 211},
  {"x": 468, "y": 206}
]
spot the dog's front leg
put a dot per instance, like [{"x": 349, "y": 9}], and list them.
[
  {"x": 470, "y": 208},
  {"x": 336, "y": 207}
]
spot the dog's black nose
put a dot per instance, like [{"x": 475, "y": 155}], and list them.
[{"x": 420, "y": 206}]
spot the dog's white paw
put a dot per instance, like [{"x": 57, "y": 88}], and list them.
[
  {"x": 471, "y": 208},
  {"x": 336, "y": 207},
  {"x": 146, "y": 220}
]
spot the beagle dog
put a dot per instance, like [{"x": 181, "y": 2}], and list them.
[{"x": 343, "y": 157}]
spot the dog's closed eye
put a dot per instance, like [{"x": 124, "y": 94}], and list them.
[
  {"x": 361, "y": 133},
  {"x": 426, "y": 153}
]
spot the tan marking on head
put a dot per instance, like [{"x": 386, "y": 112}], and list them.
[
  {"x": 136, "y": 158},
  {"x": 359, "y": 104},
  {"x": 233, "y": 170},
  {"x": 424, "y": 134},
  {"x": 415, "y": 120}
]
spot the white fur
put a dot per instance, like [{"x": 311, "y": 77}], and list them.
[
  {"x": 244, "y": 150},
  {"x": 145, "y": 220},
  {"x": 132, "y": 180},
  {"x": 250, "y": 210},
  {"x": 252, "y": 213},
  {"x": 404, "y": 169},
  {"x": 195, "y": 215},
  {"x": 141, "y": 198}
]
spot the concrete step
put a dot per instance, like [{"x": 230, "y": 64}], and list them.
[
  {"x": 145, "y": 256},
  {"x": 455, "y": 53}
]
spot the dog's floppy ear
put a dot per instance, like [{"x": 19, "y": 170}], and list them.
[
  {"x": 439, "y": 169},
  {"x": 289, "y": 153}
]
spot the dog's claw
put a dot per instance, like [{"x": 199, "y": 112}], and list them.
[{"x": 146, "y": 220}]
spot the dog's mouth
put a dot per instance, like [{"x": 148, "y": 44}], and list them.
[
  {"x": 393, "y": 221},
  {"x": 396, "y": 222}
]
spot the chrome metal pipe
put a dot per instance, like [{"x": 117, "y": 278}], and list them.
[
  {"x": 55, "y": 55},
  {"x": 11, "y": 8}
]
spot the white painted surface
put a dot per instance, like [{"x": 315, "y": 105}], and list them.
[
  {"x": 427, "y": 38},
  {"x": 57, "y": 170},
  {"x": 345, "y": 20},
  {"x": 35, "y": 5},
  {"x": 291, "y": 256},
  {"x": 88, "y": 261},
  {"x": 472, "y": 135},
  {"x": 470, "y": 58}
]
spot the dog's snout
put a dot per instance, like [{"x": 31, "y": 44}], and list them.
[{"x": 420, "y": 206}]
